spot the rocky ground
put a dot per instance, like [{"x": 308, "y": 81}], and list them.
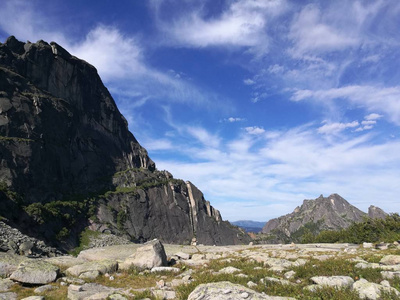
[{"x": 156, "y": 271}]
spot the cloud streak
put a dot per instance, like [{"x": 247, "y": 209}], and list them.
[{"x": 287, "y": 166}]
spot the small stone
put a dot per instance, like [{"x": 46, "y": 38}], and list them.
[
  {"x": 160, "y": 284},
  {"x": 183, "y": 255},
  {"x": 251, "y": 284},
  {"x": 164, "y": 269},
  {"x": 289, "y": 275},
  {"x": 385, "y": 283},
  {"x": 244, "y": 295},
  {"x": 90, "y": 275},
  {"x": 44, "y": 288},
  {"x": 76, "y": 288},
  {"x": 33, "y": 298},
  {"x": 367, "y": 245},
  {"x": 25, "y": 248},
  {"x": 229, "y": 270},
  {"x": 198, "y": 256},
  {"x": 117, "y": 297}
]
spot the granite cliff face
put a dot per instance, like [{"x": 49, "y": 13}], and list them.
[
  {"x": 323, "y": 213},
  {"x": 68, "y": 160}
]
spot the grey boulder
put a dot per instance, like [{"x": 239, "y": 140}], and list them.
[
  {"x": 225, "y": 290},
  {"x": 333, "y": 281},
  {"x": 88, "y": 269},
  {"x": 151, "y": 255},
  {"x": 35, "y": 272}
]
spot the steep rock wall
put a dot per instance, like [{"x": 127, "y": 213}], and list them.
[{"x": 68, "y": 159}]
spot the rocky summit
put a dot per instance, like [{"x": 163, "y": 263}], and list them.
[
  {"x": 323, "y": 213},
  {"x": 68, "y": 160}
]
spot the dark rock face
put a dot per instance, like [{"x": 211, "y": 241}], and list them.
[
  {"x": 62, "y": 139},
  {"x": 323, "y": 213}
]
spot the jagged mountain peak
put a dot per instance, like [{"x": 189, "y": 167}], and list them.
[{"x": 332, "y": 212}]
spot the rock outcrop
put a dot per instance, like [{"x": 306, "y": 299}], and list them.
[
  {"x": 323, "y": 213},
  {"x": 376, "y": 212},
  {"x": 68, "y": 159}
]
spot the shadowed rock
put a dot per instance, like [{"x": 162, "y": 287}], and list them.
[{"x": 68, "y": 142}]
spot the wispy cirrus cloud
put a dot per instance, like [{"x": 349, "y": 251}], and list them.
[
  {"x": 312, "y": 32},
  {"x": 332, "y": 128},
  {"x": 288, "y": 165},
  {"x": 385, "y": 100}
]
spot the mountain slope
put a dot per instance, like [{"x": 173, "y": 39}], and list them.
[
  {"x": 323, "y": 213},
  {"x": 68, "y": 159}
]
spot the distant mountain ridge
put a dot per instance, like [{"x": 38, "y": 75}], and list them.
[
  {"x": 249, "y": 226},
  {"x": 323, "y": 213}
]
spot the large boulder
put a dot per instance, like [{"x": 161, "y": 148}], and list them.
[
  {"x": 88, "y": 269},
  {"x": 333, "y": 281},
  {"x": 372, "y": 291},
  {"x": 390, "y": 260},
  {"x": 8, "y": 296},
  {"x": 65, "y": 261},
  {"x": 35, "y": 272},
  {"x": 151, "y": 255},
  {"x": 91, "y": 291},
  {"x": 226, "y": 290},
  {"x": 9, "y": 263}
]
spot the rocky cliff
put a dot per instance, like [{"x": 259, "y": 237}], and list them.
[
  {"x": 376, "y": 212},
  {"x": 323, "y": 213},
  {"x": 68, "y": 160}
]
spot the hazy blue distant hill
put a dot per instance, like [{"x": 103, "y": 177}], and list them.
[{"x": 249, "y": 226}]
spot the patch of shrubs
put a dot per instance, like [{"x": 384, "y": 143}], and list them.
[{"x": 369, "y": 230}]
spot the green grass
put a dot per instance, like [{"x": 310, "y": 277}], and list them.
[{"x": 84, "y": 240}]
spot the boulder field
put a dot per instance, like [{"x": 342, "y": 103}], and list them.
[{"x": 98, "y": 273}]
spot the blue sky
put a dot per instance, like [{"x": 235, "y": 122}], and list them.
[{"x": 260, "y": 104}]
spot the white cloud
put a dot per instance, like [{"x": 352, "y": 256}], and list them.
[
  {"x": 158, "y": 144},
  {"x": 368, "y": 122},
  {"x": 311, "y": 33},
  {"x": 204, "y": 136},
  {"x": 288, "y": 166},
  {"x": 114, "y": 55},
  {"x": 333, "y": 128},
  {"x": 233, "y": 119},
  {"x": 386, "y": 100},
  {"x": 242, "y": 24},
  {"x": 276, "y": 69},
  {"x": 249, "y": 81},
  {"x": 373, "y": 116},
  {"x": 18, "y": 18},
  {"x": 254, "y": 130}
]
